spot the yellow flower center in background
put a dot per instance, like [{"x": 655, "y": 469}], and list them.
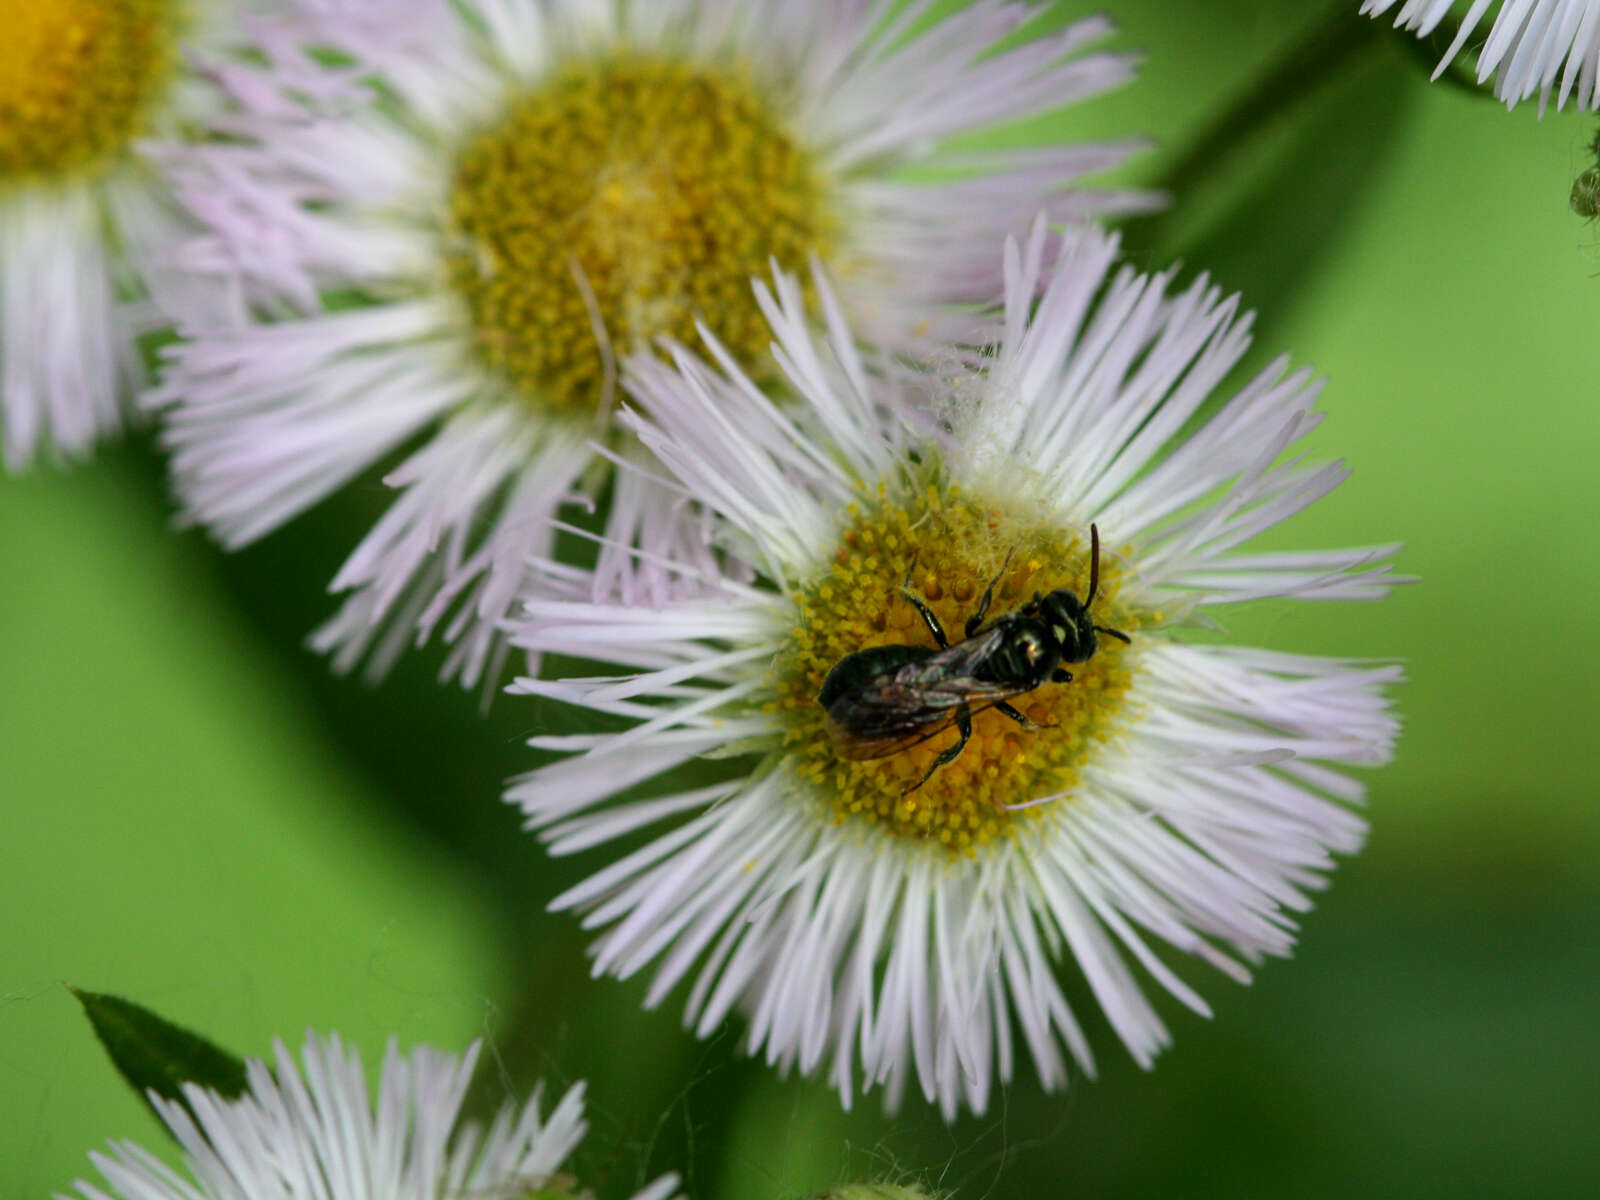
[
  {"x": 633, "y": 195},
  {"x": 957, "y": 544},
  {"x": 77, "y": 78}
]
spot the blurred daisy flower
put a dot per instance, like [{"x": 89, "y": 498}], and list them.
[
  {"x": 1530, "y": 43},
  {"x": 314, "y": 1135},
  {"x": 514, "y": 194},
  {"x": 892, "y": 907},
  {"x": 84, "y": 218}
]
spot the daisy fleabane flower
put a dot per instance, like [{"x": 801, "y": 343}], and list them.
[
  {"x": 85, "y": 219},
  {"x": 311, "y": 1132},
  {"x": 514, "y": 195},
  {"x": 1530, "y": 44},
  {"x": 908, "y": 913}
]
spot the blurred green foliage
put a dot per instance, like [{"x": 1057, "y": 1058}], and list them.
[{"x": 199, "y": 817}]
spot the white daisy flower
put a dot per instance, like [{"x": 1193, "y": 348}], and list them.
[
  {"x": 314, "y": 1135},
  {"x": 84, "y": 218},
  {"x": 894, "y": 914},
  {"x": 528, "y": 191},
  {"x": 1530, "y": 43}
]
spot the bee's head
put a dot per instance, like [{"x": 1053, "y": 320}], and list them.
[
  {"x": 1068, "y": 617},
  {"x": 1070, "y": 624}
]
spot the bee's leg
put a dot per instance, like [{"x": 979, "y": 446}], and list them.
[
  {"x": 951, "y": 753},
  {"x": 1060, "y": 675},
  {"x": 1006, "y": 710},
  {"x": 931, "y": 621},
  {"x": 976, "y": 618}
]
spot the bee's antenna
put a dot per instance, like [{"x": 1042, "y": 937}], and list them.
[
  {"x": 910, "y": 571},
  {"x": 1094, "y": 564},
  {"x": 1094, "y": 584}
]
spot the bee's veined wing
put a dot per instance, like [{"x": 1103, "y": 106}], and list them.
[{"x": 900, "y": 708}]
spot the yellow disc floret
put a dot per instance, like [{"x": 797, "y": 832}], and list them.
[
  {"x": 952, "y": 544},
  {"x": 618, "y": 203},
  {"x": 77, "y": 79}
]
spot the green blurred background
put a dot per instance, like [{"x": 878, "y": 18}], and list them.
[{"x": 199, "y": 818}]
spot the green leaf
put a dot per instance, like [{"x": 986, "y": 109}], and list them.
[{"x": 154, "y": 1055}]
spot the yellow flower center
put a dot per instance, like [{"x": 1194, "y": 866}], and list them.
[
  {"x": 953, "y": 545},
  {"x": 630, "y": 196},
  {"x": 77, "y": 78}
]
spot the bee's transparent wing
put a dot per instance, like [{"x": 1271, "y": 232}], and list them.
[{"x": 901, "y": 708}]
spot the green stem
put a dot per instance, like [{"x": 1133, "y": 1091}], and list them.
[{"x": 1308, "y": 65}]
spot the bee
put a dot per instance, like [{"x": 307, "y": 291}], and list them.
[{"x": 886, "y": 699}]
